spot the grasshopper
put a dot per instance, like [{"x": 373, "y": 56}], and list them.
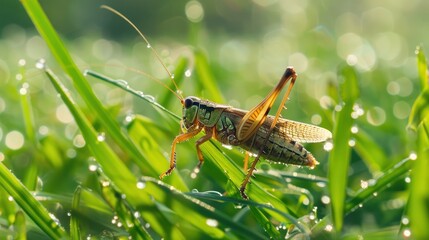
[{"x": 274, "y": 138}]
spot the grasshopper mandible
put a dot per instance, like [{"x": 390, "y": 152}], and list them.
[{"x": 271, "y": 137}]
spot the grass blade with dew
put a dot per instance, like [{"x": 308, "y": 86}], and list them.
[
  {"x": 112, "y": 166},
  {"x": 422, "y": 67},
  {"x": 420, "y": 108},
  {"x": 20, "y": 226},
  {"x": 370, "y": 152},
  {"x": 339, "y": 157},
  {"x": 33, "y": 208},
  {"x": 126, "y": 214},
  {"x": 74, "y": 220},
  {"x": 419, "y": 195},
  {"x": 63, "y": 57},
  {"x": 205, "y": 79}
]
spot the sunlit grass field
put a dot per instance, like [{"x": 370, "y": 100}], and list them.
[{"x": 88, "y": 115}]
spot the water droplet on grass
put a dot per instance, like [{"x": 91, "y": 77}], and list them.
[
  {"x": 212, "y": 222},
  {"x": 41, "y": 63},
  {"x": 412, "y": 156},
  {"x": 21, "y": 62},
  {"x": 101, "y": 137}
]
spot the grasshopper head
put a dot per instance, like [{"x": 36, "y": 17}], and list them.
[{"x": 189, "y": 111}]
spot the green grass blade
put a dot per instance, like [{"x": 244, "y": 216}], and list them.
[
  {"x": 419, "y": 196},
  {"x": 376, "y": 186},
  {"x": 126, "y": 214},
  {"x": 64, "y": 59},
  {"x": 339, "y": 157},
  {"x": 74, "y": 220},
  {"x": 33, "y": 208},
  {"x": 420, "y": 107},
  {"x": 19, "y": 225},
  {"x": 422, "y": 68},
  {"x": 370, "y": 152},
  {"x": 112, "y": 166},
  {"x": 190, "y": 202},
  {"x": 205, "y": 78}
]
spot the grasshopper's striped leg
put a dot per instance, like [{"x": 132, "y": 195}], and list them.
[
  {"x": 182, "y": 137},
  {"x": 246, "y": 160},
  {"x": 247, "y": 178},
  {"x": 203, "y": 139}
]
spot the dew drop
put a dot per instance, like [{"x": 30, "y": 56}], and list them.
[
  {"x": 172, "y": 76},
  {"x": 148, "y": 45},
  {"x": 105, "y": 183},
  {"x": 141, "y": 185},
  {"x": 93, "y": 167},
  {"x": 19, "y": 77},
  {"x": 137, "y": 214},
  {"x": 405, "y": 221},
  {"x": 407, "y": 179},
  {"x": 328, "y": 146},
  {"x": 352, "y": 142},
  {"x": 41, "y": 63},
  {"x": 188, "y": 73},
  {"x": 101, "y": 137},
  {"x": 10, "y": 198},
  {"x": 79, "y": 141},
  {"x": 14, "y": 140},
  {"x": 338, "y": 108},
  {"x": 23, "y": 91},
  {"x": 354, "y": 129},
  {"x": 150, "y": 98},
  {"x": 325, "y": 199},
  {"x": 363, "y": 184},
  {"x": 123, "y": 83},
  {"x": 329, "y": 228},
  {"x": 375, "y": 194},
  {"x": 147, "y": 225},
  {"x": 43, "y": 130},
  {"x": 21, "y": 62},
  {"x": 406, "y": 233},
  {"x": 212, "y": 222},
  {"x": 412, "y": 156}
]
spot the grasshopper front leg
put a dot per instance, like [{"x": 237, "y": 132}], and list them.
[
  {"x": 178, "y": 139},
  {"x": 209, "y": 133}
]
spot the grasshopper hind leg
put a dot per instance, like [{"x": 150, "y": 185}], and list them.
[{"x": 247, "y": 178}]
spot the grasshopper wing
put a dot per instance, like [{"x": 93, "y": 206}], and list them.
[
  {"x": 257, "y": 115},
  {"x": 302, "y": 132}
]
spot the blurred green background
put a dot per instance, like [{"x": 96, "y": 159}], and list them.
[{"x": 248, "y": 44}]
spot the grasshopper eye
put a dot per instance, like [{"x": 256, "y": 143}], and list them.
[{"x": 188, "y": 103}]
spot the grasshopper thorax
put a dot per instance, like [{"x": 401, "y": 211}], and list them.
[{"x": 189, "y": 112}]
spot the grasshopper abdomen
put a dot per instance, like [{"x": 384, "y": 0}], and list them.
[{"x": 278, "y": 148}]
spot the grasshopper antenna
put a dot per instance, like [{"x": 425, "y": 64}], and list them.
[{"x": 178, "y": 95}]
